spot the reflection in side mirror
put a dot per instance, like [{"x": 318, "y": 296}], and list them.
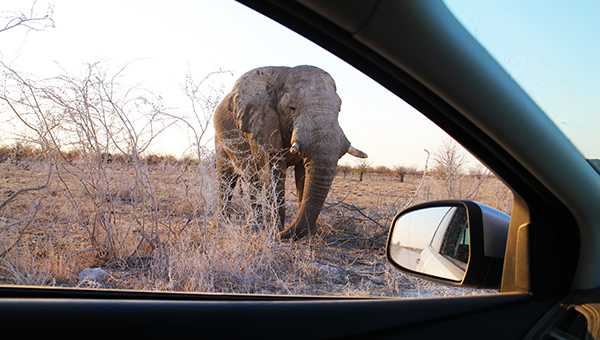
[
  {"x": 433, "y": 241},
  {"x": 459, "y": 242}
]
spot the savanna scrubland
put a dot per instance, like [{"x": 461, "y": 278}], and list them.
[
  {"x": 154, "y": 224},
  {"x": 80, "y": 188}
]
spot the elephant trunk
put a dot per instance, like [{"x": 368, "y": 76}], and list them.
[
  {"x": 320, "y": 148},
  {"x": 316, "y": 187}
]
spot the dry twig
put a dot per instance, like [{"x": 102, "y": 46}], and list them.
[{"x": 13, "y": 196}]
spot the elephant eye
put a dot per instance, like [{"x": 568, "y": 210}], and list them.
[{"x": 293, "y": 109}]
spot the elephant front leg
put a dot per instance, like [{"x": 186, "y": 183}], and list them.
[
  {"x": 227, "y": 180},
  {"x": 280, "y": 187},
  {"x": 299, "y": 176},
  {"x": 255, "y": 187}
]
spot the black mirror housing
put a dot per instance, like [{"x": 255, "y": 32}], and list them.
[{"x": 484, "y": 229}]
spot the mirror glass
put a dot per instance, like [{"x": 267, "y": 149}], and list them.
[{"x": 432, "y": 241}]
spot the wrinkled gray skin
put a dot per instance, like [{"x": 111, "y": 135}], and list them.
[{"x": 282, "y": 117}]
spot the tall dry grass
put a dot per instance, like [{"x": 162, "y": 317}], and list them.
[{"x": 158, "y": 226}]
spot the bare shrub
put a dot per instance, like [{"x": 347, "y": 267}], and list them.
[
  {"x": 450, "y": 169},
  {"x": 204, "y": 96},
  {"x": 91, "y": 114},
  {"x": 31, "y": 21},
  {"x": 448, "y": 164}
]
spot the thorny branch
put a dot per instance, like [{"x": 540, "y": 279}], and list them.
[
  {"x": 13, "y": 196},
  {"x": 354, "y": 208},
  {"x": 354, "y": 238},
  {"x": 30, "y": 20},
  {"x": 33, "y": 210}
]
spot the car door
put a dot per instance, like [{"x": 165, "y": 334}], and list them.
[{"x": 419, "y": 52}]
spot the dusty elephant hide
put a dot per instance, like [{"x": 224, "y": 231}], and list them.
[{"x": 274, "y": 118}]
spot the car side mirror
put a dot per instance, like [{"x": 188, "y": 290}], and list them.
[{"x": 456, "y": 242}]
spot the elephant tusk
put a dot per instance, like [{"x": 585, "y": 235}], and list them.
[
  {"x": 356, "y": 153},
  {"x": 295, "y": 148}
]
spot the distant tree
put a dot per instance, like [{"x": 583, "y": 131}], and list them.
[
  {"x": 382, "y": 170},
  {"x": 449, "y": 161},
  {"x": 345, "y": 169},
  {"x": 362, "y": 167},
  {"x": 401, "y": 171},
  {"x": 413, "y": 170}
]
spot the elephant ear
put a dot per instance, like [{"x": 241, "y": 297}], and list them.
[{"x": 253, "y": 105}]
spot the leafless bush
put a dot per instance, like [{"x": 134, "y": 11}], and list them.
[
  {"x": 449, "y": 167},
  {"x": 204, "y": 96},
  {"x": 94, "y": 115},
  {"x": 32, "y": 20},
  {"x": 448, "y": 164}
]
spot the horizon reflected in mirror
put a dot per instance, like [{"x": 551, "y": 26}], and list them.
[{"x": 432, "y": 241}]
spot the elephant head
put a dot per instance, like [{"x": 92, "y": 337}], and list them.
[{"x": 291, "y": 112}]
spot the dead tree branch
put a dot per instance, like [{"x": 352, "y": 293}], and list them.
[
  {"x": 33, "y": 210},
  {"x": 13, "y": 196},
  {"x": 31, "y": 21},
  {"x": 354, "y": 208}
]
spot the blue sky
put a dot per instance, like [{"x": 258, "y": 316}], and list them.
[
  {"x": 552, "y": 48},
  {"x": 165, "y": 39}
]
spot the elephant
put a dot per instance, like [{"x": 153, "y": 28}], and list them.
[{"x": 275, "y": 118}]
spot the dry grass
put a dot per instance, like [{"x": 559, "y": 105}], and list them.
[{"x": 157, "y": 227}]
